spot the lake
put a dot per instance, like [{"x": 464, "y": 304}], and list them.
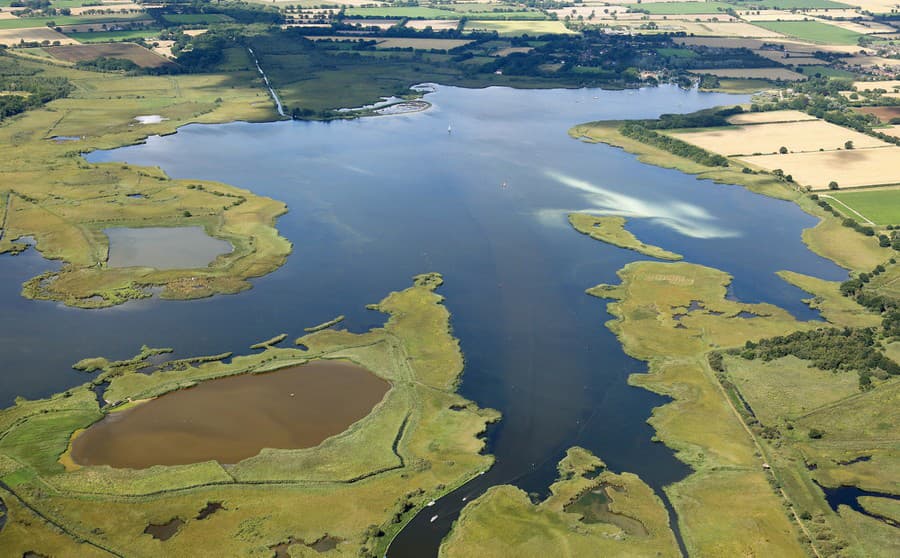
[
  {"x": 377, "y": 200},
  {"x": 233, "y": 418}
]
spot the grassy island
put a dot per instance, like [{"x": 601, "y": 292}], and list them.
[
  {"x": 354, "y": 490},
  {"x": 611, "y": 229}
]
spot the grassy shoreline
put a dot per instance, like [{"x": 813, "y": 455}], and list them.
[{"x": 828, "y": 238}]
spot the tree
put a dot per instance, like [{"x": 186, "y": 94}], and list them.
[
  {"x": 832, "y": 185},
  {"x": 783, "y": 150},
  {"x": 848, "y": 144}
]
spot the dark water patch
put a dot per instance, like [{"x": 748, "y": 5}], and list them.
[
  {"x": 137, "y": 196},
  {"x": 4, "y": 514},
  {"x": 164, "y": 531},
  {"x": 860, "y": 459},
  {"x": 746, "y": 315},
  {"x": 233, "y": 418},
  {"x": 593, "y": 506},
  {"x": 64, "y": 139},
  {"x": 850, "y": 495},
  {"x": 163, "y": 247},
  {"x": 32, "y": 554},
  {"x": 325, "y": 543},
  {"x": 99, "y": 390},
  {"x": 695, "y": 305},
  {"x": 209, "y": 509}
]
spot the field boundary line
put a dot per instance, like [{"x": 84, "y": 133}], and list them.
[{"x": 863, "y": 217}]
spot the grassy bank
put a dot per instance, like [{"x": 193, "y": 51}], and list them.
[
  {"x": 611, "y": 229},
  {"x": 587, "y": 514},
  {"x": 829, "y": 238}
]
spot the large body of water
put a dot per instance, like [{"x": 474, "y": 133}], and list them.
[{"x": 375, "y": 201}]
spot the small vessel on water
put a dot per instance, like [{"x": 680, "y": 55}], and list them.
[{"x": 449, "y": 129}]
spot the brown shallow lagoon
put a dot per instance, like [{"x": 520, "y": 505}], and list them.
[{"x": 230, "y": 419}]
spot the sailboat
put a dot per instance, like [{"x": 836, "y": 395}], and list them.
[{"x": 449, "y": 129}]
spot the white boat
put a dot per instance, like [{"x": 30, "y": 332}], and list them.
[{"x": 433, "y": 518}]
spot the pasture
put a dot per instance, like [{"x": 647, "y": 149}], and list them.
[
  {"x": 129, "y": 51},
  {"x": 849, "y": 168},
  {"x": 812, "y": 135},
  {"x": 753, "y": 73},
  {"x": 881, "y": 206}
]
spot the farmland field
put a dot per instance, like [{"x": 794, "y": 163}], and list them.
[
  {"x": 771, "y": 116},
  {"x": 790, "y": 4},
  {"x": 113, "y": 36},
  {"x": 885, "y": 114},
  {"x": 419, "y": 12},
  {"x": 754, "y": 73},
  {"x": 872, "y": 85},
  {"x": 129, "y": 51},
  {"x": 675, "y": 8},
  {"x": 190, "y": 19},
  {"x": 814, "y": 31},
  {"x": 24, "y": 23},
  {"x": 882, "y": 207},
  {"x": 508, "y": 28},
  {"x": 10, "y": 37},
  {"x": 853, "y": 168},
  {"x": 769, "y": 138}
]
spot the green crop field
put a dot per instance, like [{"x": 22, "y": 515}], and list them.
[
  {"x": 24, "y": 23},
  {"x": 812, "y": 31},
  {"x": 114, "y": 36},
  {"x": 789, "y": 4},
  {"x": 196, "y": 18},
  {"x": 674, "y": 8},
  {"x": 882, "y": 207}
]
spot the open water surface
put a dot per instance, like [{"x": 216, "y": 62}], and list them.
[{"x": 375, "y": 201}]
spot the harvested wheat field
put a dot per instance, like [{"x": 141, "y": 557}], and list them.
[
  {"x": 129, "y": 51},
  {"x": 810, "y": 135},
  {"x": 872, "y": 85},
  {"x": 10, "y": 37},
  {"x": 769, "y": 117},
  {"x": 849, "y": 168}
]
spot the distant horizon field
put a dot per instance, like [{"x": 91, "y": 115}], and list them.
[
  {"x": 678, "y": 8},
  {"x": 814, "y": 31},
  {"x": 882, "y": 207}
]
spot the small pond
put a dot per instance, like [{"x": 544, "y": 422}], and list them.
[{"x": 163, "y": 247}]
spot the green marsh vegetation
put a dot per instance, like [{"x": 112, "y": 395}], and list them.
[
  {"x": 358, "y": 487},
  {"x": 611, "y": 229},
  {"x": 631, "y": 521},
  {"x": 53, "y": 196}
]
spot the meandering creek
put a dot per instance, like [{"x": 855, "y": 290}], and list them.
[{"x": 377, "y": 200}]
